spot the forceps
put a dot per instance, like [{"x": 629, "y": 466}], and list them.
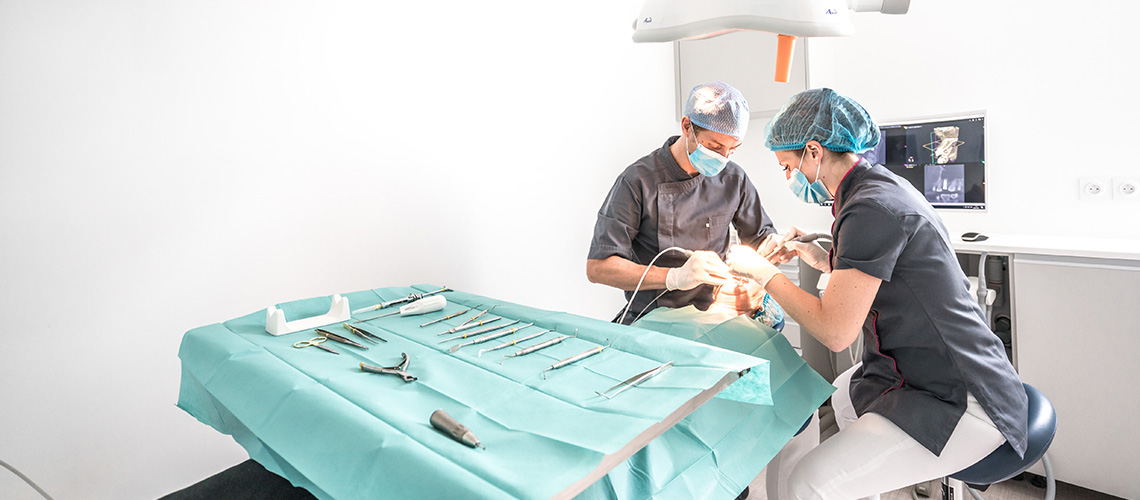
[
  {"x": 399, "y": 370},
  {"x": 314, "y": 342}
]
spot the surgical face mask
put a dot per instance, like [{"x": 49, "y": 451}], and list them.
[
  {"x": 705, "y": 160},
  {"x": 814, "y": 192}
]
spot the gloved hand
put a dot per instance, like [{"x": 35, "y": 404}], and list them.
[
  {"x": 702, "y": 267},
  {"x": 742, "y": 296},
  {"x": 744, "y": 261},
  {"x": 811, "y": 253}
]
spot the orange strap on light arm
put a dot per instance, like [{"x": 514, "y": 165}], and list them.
[{"x": 787, "y": 43}]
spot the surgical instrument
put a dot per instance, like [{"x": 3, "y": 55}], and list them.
[
  {"x": 400, "y": 370},
  {"x": 804, "y": 238},
  {"x": 477, "y": 316},
  {"x": 538, "y": 347},
  {"x": 634, "y": 380},
  {"x": 364, "y": 334},
  {"x": 477, "y": 332},
  {"x": 409, "y": 298},
  {"x": 422, "y": 306},
  {"x": 449, "y": 316},
  {"x": 314, "y": 342},
  {"x": 515, "y": 341},
  {"x": 490, "y": 337},
  {"x": 466, "y": 325},
  {"x": 341, "y": 339},
  {"x": 442, "y": 421},
  {"x": 574, "y": 359}
]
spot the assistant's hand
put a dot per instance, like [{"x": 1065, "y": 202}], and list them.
[
  {"x": 811, "y": 253},
  {"x": 702, "y": 267},
  {"x": 744, "y": 261},
  {"x": 744, "y": 296}
]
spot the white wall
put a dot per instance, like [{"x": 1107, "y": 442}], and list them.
[
  {"x": 1055, "y": 79},
  {"x": 166, "y": 165}
]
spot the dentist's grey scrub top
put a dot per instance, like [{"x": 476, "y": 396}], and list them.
[
  {"x": 925, "y": 341},
  {"x": 655, "y": 204}
]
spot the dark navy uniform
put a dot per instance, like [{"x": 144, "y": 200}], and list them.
[
  {"x": 925, "y": 340},
  {"x": 655, "y": 204}
]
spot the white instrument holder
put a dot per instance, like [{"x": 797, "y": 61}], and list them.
[{"x": 275, "y": 323}]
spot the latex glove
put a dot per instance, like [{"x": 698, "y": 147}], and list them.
[
  {"x": 811, "y": 253},
  {"x": 742, "y": 296},
  {"x": 779, "y": 253},
  {"x": 744, "y": 261},
  {"x": 702, "y": 267},
  {"x": 770, "y": 244}
]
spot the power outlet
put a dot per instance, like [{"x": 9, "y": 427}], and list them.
[
  {"x": 1125, "y": 188},
  {"x": 1095, "y": 188}
]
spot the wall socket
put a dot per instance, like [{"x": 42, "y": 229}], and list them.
[
  {"x": 1125, "y": 188},
  {"x": 1095, "y": 188}
]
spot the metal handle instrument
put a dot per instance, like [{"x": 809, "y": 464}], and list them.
[
  {"x": 409, "y": 298},
  {"x": 400, "y": 370},
  {"x": 364, "y": 334},
  {"x": 449, "y": 316},
  {"x": 634, "y": 380},
  {"x": 341, "y": 339},
  {"x": 515, "y": 341},
  {"x": 574, "y": 359},
  {"x": 477, "y": 332},
  {"x": 490, "y": 337},
  {"x": 538, "y": 347},
  {"x": 457, "y": 431}
]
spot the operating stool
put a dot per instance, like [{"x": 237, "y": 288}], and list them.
[{"x": 1004, "y": 463}]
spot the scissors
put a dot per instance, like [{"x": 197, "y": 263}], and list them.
[{"x": 314, "y": 342}]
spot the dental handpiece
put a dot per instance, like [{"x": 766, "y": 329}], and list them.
[
  {"x": 574, "y": 359},
  {"x": 804, "y": 238},
  {"x": 457, "y": 431}
]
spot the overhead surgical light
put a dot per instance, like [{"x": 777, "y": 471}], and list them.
[{"x": 673, "y": 20}]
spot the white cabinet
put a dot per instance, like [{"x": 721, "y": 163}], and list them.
[{"x": 1076, "y": 339}]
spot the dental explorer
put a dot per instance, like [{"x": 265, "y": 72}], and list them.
[
  {"x": 538, "y": 347},
  {"x": 477, "y": 332},
  {"x": 490, "y": 337},
  {"x": 449, "y": 316},
  {"x": 515, "y": 341},
  {"x": 574, "y": 359},
  {"x": 409, "y": 298}
]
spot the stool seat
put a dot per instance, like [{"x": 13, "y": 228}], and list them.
[{"x": 1004, "y": 463}]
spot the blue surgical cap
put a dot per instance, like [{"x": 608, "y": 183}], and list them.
[
  {"x": 839, "y": 123},
  {"x": 718, "y": 107}
]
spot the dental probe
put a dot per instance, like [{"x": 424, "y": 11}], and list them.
[
  {"x": 804, "y": 238},
  {"x": 490, "y": 337},
  {"x": 422, "y": 306},
  {"x": 449, "y": 316},
  {"x": 409, "y": 298},
  {"x": 537, "y": 347},
  {"x": 574, "y": 359},
  {"x": 515, "y": 341},
  {"x": 477, "y": 332},
  {"x": 460, "y": 328}
]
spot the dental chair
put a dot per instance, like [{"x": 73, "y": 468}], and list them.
[{"x": 1004, "y": 463}]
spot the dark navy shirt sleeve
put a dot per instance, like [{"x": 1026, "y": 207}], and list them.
[
  {"x": 868, "y": 238},
  {"x": 751, "y": 221},
  {"x": 617, "y": 224}
]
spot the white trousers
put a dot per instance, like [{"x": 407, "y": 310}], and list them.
[{"x": 871, "y": 455}]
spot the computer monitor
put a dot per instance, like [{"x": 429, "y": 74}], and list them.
[{"x": 944, "y": 158}]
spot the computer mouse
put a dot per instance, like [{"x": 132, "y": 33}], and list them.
[{"x": 972, "y": 236}]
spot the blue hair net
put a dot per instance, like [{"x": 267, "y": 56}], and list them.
[
  {"x": 839, "y": 123},
  {"x": 718, "y": 107}
]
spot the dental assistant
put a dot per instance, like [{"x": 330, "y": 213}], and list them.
[
  {"x": 685, "y": 194},
  {"x": 935, "y": 392}
]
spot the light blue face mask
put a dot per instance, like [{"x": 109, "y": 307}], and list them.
[
  {"x": 814, "y": 192},
  {"x": 705, "y": 160}
]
